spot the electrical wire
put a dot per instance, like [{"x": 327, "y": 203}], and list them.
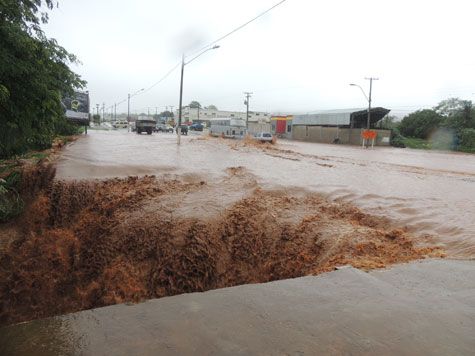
[{"x": 240, "y": 27}]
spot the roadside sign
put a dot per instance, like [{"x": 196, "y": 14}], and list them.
[{"x": 367, "y": 135}]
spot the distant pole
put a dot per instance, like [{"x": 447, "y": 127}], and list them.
[
  {"x": 115, "y": 112},
  {"x": 97, "y": 108},
  {"x": 178, "y": 130},
  {"x": 103, "y": 112},
  {"x": 128, "y": 113},
  {"x": 248, "y": 95},
  {"x": 369, "y": 104}
]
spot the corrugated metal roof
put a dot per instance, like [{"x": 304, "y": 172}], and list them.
[{"x": 337, "y": 117}]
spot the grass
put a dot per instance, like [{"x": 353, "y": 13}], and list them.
[{"x": 424, "y": 144}]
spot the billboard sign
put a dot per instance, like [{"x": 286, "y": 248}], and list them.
[{"x": 76, "y": 107}]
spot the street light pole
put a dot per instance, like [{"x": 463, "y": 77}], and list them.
[
  {"x": 369, "y": 100},
  {"x": 248, "y": 95},
  {"x": 368, "y": 124},
  {"x": 178, "y": 129},
  {"x": 128, "y": 107},
  {"x": 183, "y": 63}
]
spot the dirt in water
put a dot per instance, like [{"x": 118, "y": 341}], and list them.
[{"x": 82, "y": 245}]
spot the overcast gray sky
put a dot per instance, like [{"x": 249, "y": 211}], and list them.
[{"x": 300, "y": 57}]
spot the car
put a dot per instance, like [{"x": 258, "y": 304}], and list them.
[
  {"x": 184, "y": 129},
  {"x": 119, "y": 124},
  {"x": 264, "y": 137},
  {"x": 196, "y": 126},
  {"x": 163, "y": 128}
]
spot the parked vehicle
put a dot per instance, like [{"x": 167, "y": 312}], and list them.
[
  {"x": 119, "y": 124},
  {"x": 145, "y": 126},
  {"x": 164, "y": 128},
  {"x": 196, "y": 126},
  {"x": 232, "y": 128},
  {"x": 264, "y": 137},
  {"x": 184, "y": 129}
]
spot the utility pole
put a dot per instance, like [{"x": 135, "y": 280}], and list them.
[
  {"x": 369, "y": 104},
  {"x": 128, "y": 113},
  {"x": 97, "y": 108},
  {"x": 246, "y": 102},
  {"x": 115, "y": 112},
  {"x": 178, "y": 130},
  {"x": 103, "y": 112}
]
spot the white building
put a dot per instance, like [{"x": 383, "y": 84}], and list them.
[{"x": 204, "y": 115}]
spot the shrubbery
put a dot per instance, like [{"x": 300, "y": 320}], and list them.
[
  {"x": 34, "y": 73},
  {"x": 467, "y": 140},
  {"x": 449, "y": 126}
]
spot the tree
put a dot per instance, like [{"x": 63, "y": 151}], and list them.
[
  {"x": 458, "y": 114},
  {"x": 34, "y": 73},
  {"x": 166, "y": 114},
  {"x": 194, "y": 105},
  {"x": 451, "y": 106},
  {"x": 211, "y": 107},
  {"x": 388, "y": 122},
  {"x": 420, "y": 123}
]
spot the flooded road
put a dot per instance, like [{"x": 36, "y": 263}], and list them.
[{"x": 428, "y": 193}]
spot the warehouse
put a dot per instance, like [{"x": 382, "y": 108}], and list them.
[{"x": 332, "y": 126}]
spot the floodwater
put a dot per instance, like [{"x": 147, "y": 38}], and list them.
[{"x": 428, "y": 193}]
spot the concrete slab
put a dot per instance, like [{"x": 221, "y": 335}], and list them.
[{"x": 421, "y": 308}]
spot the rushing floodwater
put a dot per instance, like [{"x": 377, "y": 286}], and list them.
[{"x": 429, "y": 193}]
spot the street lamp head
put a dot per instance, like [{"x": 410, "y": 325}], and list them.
[
  {"x": 216, "y": 46},
  {"x": 353, "y": 84}
]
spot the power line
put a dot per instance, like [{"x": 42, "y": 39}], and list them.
[
  {"x": 209, "y": 45},
  {"x": 243, "y": 25}
]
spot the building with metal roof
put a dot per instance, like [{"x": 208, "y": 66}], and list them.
[
  {"x": 349, "y": 118},
  {"x": 332, "y": 126}
]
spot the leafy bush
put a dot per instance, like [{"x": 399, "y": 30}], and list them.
[
  {"x": 467, "y": 140},
  {"x": 420, "y": 123},
  {"x": 397, "y": 139},
  {"x": 11, "y": 203}
]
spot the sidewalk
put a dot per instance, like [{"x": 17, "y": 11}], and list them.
[{"x": 421, "y": 308}]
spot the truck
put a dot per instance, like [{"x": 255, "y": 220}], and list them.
[{"x": 143, "y": 125}]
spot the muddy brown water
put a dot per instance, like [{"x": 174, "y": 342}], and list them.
[
  {"x": 429, "y": 193},
  {"x": 132, "y": 217}
]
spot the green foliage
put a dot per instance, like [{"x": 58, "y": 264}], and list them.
[
  {"x": 397, "y": 140},
  {"x": 412, "y": 142},
  {"x": 467, "y": 140},
  {"x": 211, "y": 107},
  {"x": 33, "y": 73},
  {"x": 420, "y": 124},
  {"x": 194, "y": 104},
  {"x": 64, "y": 128},
  {"x": 165, "y": 114},
  {"x": 388, "y": 122},
  {"x": 11, "y": 203}
]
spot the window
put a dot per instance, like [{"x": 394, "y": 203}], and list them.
[
  {"x": 289, "y": 128},
  {"x": 257, "y": 114}
]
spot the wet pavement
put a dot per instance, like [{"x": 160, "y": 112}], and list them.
[
  {"x": 428, "y": 193},
  {"x": 420, "y": 308}
]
